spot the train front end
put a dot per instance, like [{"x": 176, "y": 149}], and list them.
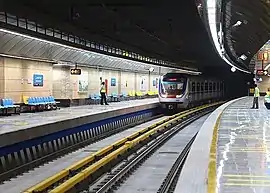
[{"x": 172, "y": 91}]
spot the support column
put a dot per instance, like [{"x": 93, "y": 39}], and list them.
[
  {"x": 119, "y": 82},
  {"x": 2, "y": 78},
  {"x": 149, "y": 81},
  {"x": 136, "y": 81}
]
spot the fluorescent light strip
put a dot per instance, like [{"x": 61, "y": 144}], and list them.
[
  {"x": 81, "y": 50},
  {"x": 26, "y": 58},
  {"x": 211, "y": 11}
]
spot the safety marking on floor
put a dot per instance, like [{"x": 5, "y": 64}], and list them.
[
  {"x": 246, "y": 180},
  {"x": 21, "y": 123},
  {"x": 248, "y": 151},
  {"x": 245, "y": 176},
  {"x": 243, "y": 184}
]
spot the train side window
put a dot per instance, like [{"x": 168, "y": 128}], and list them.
[
  {"x": 198, "y": 87},
  {"x": 206, "y": 87},
  {"x": 217, "y": 86},
  {"x": 202, "y": 87},
  {"x": 193, "y": 87},
  {"x": 210, "y": 87},
  {"x": 221, "y": 86},
  {"x": 214, "y": 86}
]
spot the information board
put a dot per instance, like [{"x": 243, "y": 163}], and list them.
[
  {"x": 37, "y": 80},
  {"x": 113, "y": 81}
]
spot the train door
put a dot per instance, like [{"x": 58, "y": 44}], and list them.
[
  {"x": 205, "y": 90},
  {"x": 198, "y": 93},
  {"x": 193, "y": 91}
]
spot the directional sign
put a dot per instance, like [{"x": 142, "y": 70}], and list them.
[{"x": 75, "y": 71}]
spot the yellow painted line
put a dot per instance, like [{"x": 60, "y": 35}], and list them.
[
  {"x": 245, "y": 176},
  {"x": 247, "y": 180},
  {"x": 212, "y": 168},
  {"x": 140, "y": 137},
  {"x": 243, "y": 184},
  {"x": 248, "y": 151}
]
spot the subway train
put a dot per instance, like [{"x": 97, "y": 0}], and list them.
[{"x": 180, "y": 91}]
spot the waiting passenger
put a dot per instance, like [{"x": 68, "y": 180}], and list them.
[
  {"x": 103, "y": 94},
  {"x": 267, "y": 99},
  {"x": 256, "y": 97}
]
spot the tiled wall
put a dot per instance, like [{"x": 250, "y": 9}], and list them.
[{"x": 16, "y": 79}]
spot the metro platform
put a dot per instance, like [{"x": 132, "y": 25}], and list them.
[
  {"x": 241, "y": 161},
  {"x": 26, "y": 126}
]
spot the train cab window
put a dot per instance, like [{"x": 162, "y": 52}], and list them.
[
  {"x": 214, "y": 87},
  {"x": 198, "y": 87},
  {"x": 193, "y": 87},
  {"x": 206, "y": 87},
  {"x": 210, "y": 87}
]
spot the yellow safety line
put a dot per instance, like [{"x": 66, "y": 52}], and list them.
[
  {"x": 245, "y": 176},
  {"x": 246, "y": 180},
  {"x": 244, "y": 184},
  {"x": 128, "y": 144},
  {"x": 212, "y": 168}
]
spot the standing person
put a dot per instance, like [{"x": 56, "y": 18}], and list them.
[
  {"x": 267, "y": 99},
  {"x": 103, "y": 94},
  {"x": 256, "y": 97}
]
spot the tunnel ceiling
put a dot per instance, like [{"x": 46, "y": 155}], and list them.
[
  {"x": 168, "y": 31},
  {"x": 253, "y": 32}
]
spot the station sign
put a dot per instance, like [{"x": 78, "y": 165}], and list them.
[{"x": 75, "y": 71}]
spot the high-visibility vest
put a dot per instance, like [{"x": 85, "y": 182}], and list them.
[
  {"x": 102, "y": 89},
  {"x": 257, "y": 92}
]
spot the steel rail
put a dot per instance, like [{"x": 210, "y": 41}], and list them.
[
  {"x": 168, "y": 185},
  {"x": 115, "y": 180},
  {"x": 61, "y": 152},
  {"x": 73, "y": 176}
]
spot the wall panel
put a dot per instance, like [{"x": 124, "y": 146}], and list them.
[{"x": 19, "y": 78}]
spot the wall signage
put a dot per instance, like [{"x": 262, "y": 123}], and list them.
[
  {"x": 37, "y": 80},
  {"x": 113, "y": 81}
]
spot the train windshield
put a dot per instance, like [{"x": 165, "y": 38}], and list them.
[{"x": 172, "y": 88}]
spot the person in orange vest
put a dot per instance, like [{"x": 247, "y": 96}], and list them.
[{"x": 103, "y": 94}]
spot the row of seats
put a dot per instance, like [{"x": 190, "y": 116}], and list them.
[
  {"x": 140, "y": 94},
  {"x": 41, "y": 100},
  {"x": 8, "y": 103}
]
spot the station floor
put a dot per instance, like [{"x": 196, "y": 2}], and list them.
[
  {"x": 243, "y": 158},
  {"x": 27, "y": 120}
]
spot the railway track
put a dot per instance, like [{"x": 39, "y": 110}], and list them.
[
  {"x": 126, "y": 171},
  {"x": 87, "y": 171}
]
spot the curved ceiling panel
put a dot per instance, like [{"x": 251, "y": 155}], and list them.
[
  {"x": 172, "y": 32},
  {"x": 17, "y": 45},
  {"x": 247, "y": 27}
]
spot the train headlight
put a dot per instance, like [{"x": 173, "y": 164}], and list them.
[{"x": 178, "y": 96}]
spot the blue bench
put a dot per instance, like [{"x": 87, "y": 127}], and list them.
[
  {"x": 9, "y": 104},
  {"x": 115, "y": 97},
  {"x": 48, "y": 101},
  {"x": 124, "y": 96}
]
